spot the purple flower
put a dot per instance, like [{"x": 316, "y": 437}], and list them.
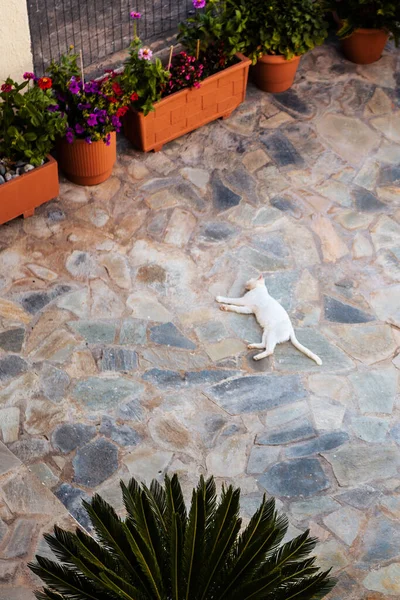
[
  {"x": 88, "y": 140},
  {"x": 60, "y": 97},
  {"x": 108, "y": 139},
  {"x": 53, "y": 108},
  {"x": 136, "y": 15},
  {"x": 92, "y": 87},
  {"x": 115, "y": 122},
  {"x": 74, "y": 86},
  {"x": 199, "y": 3},
  {"x": 145, "y": 53},
  {"x": 79, "y": 129},
  {"x": 69, "y": 136},
  {"x": 28, "y": 75},
  {"x": 101, "y": 115},
  {"x": 92, "y": 120},
  {"x": 83, "y": 106}
]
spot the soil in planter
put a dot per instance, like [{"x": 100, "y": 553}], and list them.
[{"x": 10, "y": 171}]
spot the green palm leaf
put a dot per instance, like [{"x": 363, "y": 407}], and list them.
[{"x": 161, "y": 552}]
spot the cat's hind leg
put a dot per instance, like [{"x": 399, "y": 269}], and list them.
[
  {"x": 242, "y": 310},
  {"x": 236, "y": 301},
  {"x": 259, "y": 346},
  {"x": 269, "y": 349}
]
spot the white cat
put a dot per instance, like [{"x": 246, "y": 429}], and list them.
[{"x": 271, "y": 316}]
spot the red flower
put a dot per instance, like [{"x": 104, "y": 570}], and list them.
[
  {"x": 121, "y": 111},
  {"x": 112, "y": 99},
  {"x": 134, "y": 96},
  {"x": 45, "y": 83},
  {"x": 117, "y": 89},
  {"x": 6, "y": 87}
]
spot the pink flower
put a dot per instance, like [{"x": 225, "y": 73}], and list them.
[
  {"x": 199, "y": 3},
  {"x": 136, "y": 15},
  {"x": 28, "y": 75},
  {"x": 6, "y": 87},
  {"x": 145, "y": 53}
]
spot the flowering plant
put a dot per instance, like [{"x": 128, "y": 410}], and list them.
[
  {"x": 216, "y": 31},
  {"x": 94, "y": 109},
  {"x": 30, "y": 121},
  {"x": 145, "y": 77},
  {"x": 185, "y": 71}
]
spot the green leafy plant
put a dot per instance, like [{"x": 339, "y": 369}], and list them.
[
  {"x": 369, "y": 14},
  {"x": 144, "y": 76},
  {"x": 162, "y": 552},
  {"x": 217, "y": 32},
  {"x": 282, "y": 27},
  {"x": 30, "y": 121}
]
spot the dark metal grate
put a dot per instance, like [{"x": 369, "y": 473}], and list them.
[{"x": 98, "y": 27}]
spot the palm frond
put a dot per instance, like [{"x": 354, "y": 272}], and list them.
[
  {"x": 67, "y": 581},
  {"x": 315, "y": 587},
  {"x": 47, "y": 594},
  {"x": 174, "y": 500},
  {"x": 145, "y": 560},
  {"x": 158, "y": 500},
  {"x": 292, "y": 551},
  {"x": 176, "y": 549},
  {"x": 193, "y": 549}
]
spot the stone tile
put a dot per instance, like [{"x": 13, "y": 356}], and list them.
[
  {"x": 276, "y": 121},
  {"x": 385, "y": 233},
  {"x": 12, "y": 366},
  {"x": 301, "y": 477},
  {"x": 345, "y": 523},
  {"x": 120, "y": 360},
  {"x": 301, "y": 429},
  {"x": 366, "y": 201},
  {"x": 81, "y": 365},
  {"x": 362, "y": 247},
  {"x": 58, "y": 346},
  {"x": 379, "y": 104},
  {"x": 348, "y": 136},
  {"x": 30, "y": 449},
  {"x": 44, "y": 474},
  {"x": 12, "y": 339},
  {"x": 385, "y": 580},
  {"x": 118, "y": 269},
  {"x": 54, "y": 383},
  {"x": 9, "y": 424},
  {"x": 225, "y": 348},
  {"x": 8, "y": 569},
  {"x": 331, "y": 555},
  {"x": 133, "y": 331},
  {"x": 148, "y": 308},
  {"x": 352, "y": 465},
  {"x": 199, "y": 177},
  {"x": 72, "y": 498},
  {"x": 146, "y": 463},
  {"x": 380, "y": 541},
  {"x": 229, "y": 458},
  {"x": 327, "y": 413},
  {"x": 371, "y": 344},
  {"x": 386, "y": 303},
  {"x": 262, "y": 457},
  {"x": 105, "y": 303},
  {"x": 180, "y": 228},
  {"x": 8, "y": 461},
  {"x": 361, "y": 498},
  {"x": 121, "y": 434},
  {"x": 281, "y": 150},
  {"x": 97, "y": 393},
  {"x": 286, "y": 414},
  {"x": 168, "y": 334},
  {"x": 256, "y": 393},
  {"x": 312, "y": 508},
  {"x": 354, "y": 220},
  {"x": 223, "y": 197},
  {"x": 174, "y": 358},
  {"x": 323, "y": 443},
  {"x": 376, "y": 390},
  {"x": 25, "y": 494},
  {"x": 339, "y": 312},
  {"x": 69, "y": 436},
  {"x": 370, "y": 429},
  {"x": 288, "y": 358},
  {"x": 332, "y": 245},
  {"x": 255, "y": 160},
  {"x": 95, "y": 462},
  {"x": 95, "y": 332},
  {"x": 389, "y": 125},
  {"x": 13, "y": 312}
]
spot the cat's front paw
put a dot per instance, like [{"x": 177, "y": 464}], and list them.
[
  {"x": 219, "y": 299},
  {"x": 224, "y": 307}
]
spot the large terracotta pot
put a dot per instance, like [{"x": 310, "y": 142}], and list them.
[
  {"x": 365, "y": 46},
  {"x": 20, "y": 196},
  {"x": 275, "y": 73},
  {"x": 189, "y": 109},
  {"x": 87, "y": 164}
]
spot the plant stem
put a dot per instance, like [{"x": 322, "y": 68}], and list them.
[
  {"x": 197, "y": 49},
  {"x": 170, "y": 57},
  {"x": 82, "y": 74}
]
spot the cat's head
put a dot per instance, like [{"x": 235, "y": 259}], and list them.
[{"x": 256, "y": 282}]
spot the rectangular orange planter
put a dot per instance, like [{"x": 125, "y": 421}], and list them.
[
  {"x": 189, "y": 109},
  {"x": 20, "y": 196}
]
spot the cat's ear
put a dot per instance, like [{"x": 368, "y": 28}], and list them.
[{"x": 261, "y": 278}]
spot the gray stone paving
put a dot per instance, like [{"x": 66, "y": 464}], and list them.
[{"x": 115, "y": 360}]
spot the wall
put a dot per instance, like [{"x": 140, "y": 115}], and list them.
[{"x": 15, "y": 40}]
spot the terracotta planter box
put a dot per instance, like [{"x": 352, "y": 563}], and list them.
[
  {"x": 20, "y": 196},
  {"x": 189, "y": 109}
]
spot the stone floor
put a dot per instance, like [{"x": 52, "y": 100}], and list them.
[{"x": 116, "y": 361}]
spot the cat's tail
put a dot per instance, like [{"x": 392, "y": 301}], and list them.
[{"x": 304, "y": 350}]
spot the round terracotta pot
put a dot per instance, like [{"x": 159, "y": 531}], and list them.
[
  {"x": 365, "y": 46},
  {"x": 87, "y": 164},
  {"x": 275, "y": 73}
]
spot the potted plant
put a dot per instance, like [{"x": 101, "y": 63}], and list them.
[
  {"x": 365, "y": 26},
  {"x": 94, "y": 109},
  {"x": 202, "y": 83},
  {"x": 161, "y": 551},
  {"x": 30, "y": 121},
  {"x": 277, "y": 34}
]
